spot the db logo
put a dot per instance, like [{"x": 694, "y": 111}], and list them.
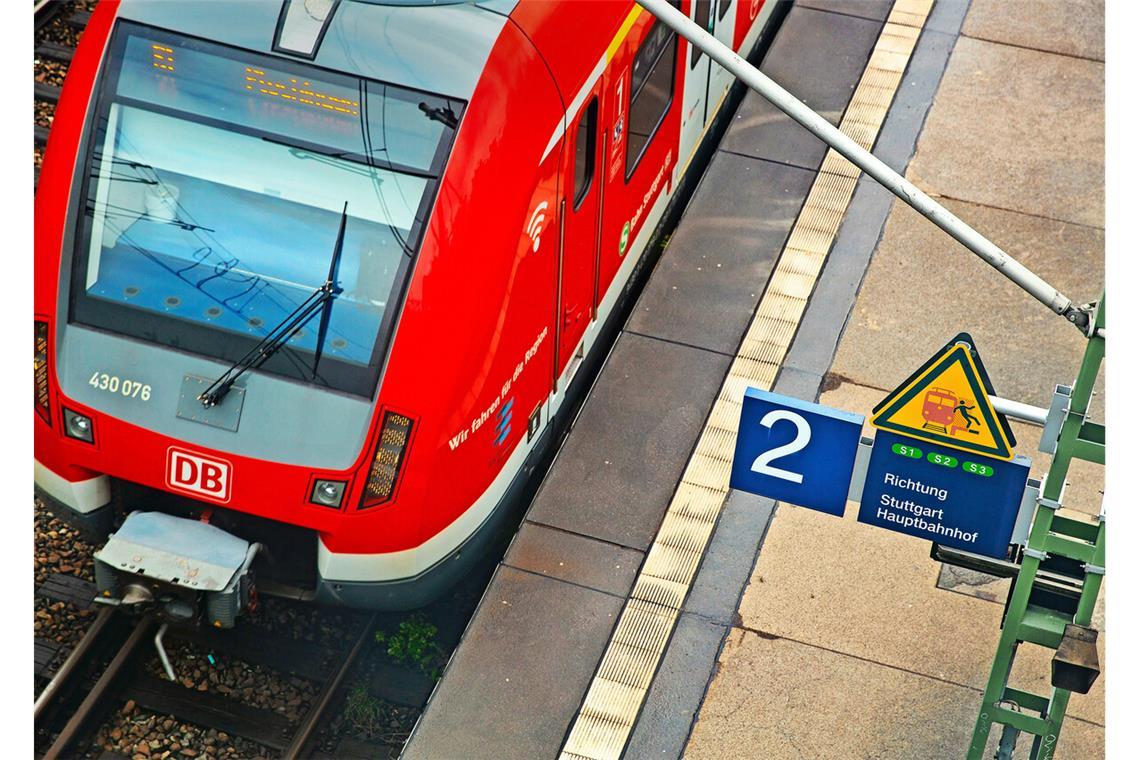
[{"x": 199, "y": 475}]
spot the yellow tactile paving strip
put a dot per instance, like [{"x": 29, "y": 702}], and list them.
[{"x": 607, "y": 715}]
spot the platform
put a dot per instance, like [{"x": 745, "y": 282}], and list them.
[{"x": 772, "y": 652}]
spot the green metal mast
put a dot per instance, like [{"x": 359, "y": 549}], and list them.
[{"x": 1062, "y": 554}]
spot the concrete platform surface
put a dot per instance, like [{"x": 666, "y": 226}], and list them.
[
  {"x": 924, "y": 288},
  {"x": 527, "y": 651},
  {"x": 1017, "y": 129},
  {"x": 723, "y": 254},
  {"x": 616, "y": 472},
  {"x": 778, "y": 699},
  {"x": 852, "y": 642},
  {"x": 1069, "y": 27},
  {"x": 876, "y": 10},
  {"x": 818, "y": 57}
]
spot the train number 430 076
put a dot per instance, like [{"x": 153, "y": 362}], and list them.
[{"x": 120, "y": 385}]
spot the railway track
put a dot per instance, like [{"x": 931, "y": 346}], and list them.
[
  {"x": 45, "y": 11},
  {"x": 107, "y": 669},
  {"x": 64, "y": 21}
]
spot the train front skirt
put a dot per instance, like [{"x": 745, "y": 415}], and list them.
[{"x": 177, "y": 566}]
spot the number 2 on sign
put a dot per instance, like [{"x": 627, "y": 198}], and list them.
[{"x": 763, "y": 463}]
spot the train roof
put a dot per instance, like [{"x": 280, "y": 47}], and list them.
[{"x": 440, "y": 47}]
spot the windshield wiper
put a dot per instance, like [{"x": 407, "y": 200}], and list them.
[
  {"x": 286, "y": 328},
  {"x": 444, "y": 116}
]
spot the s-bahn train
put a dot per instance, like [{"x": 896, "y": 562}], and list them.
[{"x": 314, "y": 278}]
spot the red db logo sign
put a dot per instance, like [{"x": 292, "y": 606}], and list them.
[{"x": 198, "y": 475}]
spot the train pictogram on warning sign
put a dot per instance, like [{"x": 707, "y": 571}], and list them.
[
  {"x": 947, "y": 402},
  {"x": 944, "y": 412}
]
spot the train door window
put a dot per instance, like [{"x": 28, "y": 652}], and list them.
[
  {"x": 701, "y": 18},
  {"x": 651, "y": 91},
  {"x": 584, "y": 152},
  {"x": 724, "y": 6}
]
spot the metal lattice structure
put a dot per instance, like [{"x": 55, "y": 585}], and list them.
[{"x": 1070, "y": 546}]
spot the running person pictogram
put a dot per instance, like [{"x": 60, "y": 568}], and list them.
[{"x": 971, "y": 420}]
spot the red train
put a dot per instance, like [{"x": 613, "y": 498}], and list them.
[{"x": 320, "y": 273}]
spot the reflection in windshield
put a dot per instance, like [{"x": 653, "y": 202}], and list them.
[
  {"x": 214, "y": 199},
  {"x": 226, "y": 231}
]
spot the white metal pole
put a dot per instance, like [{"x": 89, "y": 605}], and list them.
[
  {"x": 853, "y": 152},
  {"x": 1019, "y": 410}
]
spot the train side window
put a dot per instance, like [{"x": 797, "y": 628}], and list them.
[
  {"x": 584, "y": 151},
  {"x": 724, "y": 6},
  {"x": 701, "y": 18},
  {"x": 651, "y": 91}
]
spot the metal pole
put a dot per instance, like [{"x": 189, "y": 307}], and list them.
[
  {"x": 162, "y": 651},
  {"x": 880, "y": 172},
  {"x": 1019, "y": 410}
]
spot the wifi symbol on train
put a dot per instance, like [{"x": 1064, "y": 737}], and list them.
[{"x": 534, "y": 227}]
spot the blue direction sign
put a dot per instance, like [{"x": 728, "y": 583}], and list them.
[
  {"x": 954, "y": 498},
  {"x": 795, "y": 451}
]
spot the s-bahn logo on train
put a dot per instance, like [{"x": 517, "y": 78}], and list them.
[{"x": 197, "y": 474}]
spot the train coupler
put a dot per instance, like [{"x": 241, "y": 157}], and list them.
[{"x": 186, "y": 569}]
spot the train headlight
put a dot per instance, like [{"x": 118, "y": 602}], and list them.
[
  {"x": 43, "y": 402},
  {"x": 383, "y": 475},
  {"x": 78, "y": 426},
  {"x": 327, "y": 493}
]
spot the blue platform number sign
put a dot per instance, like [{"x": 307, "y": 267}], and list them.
[{"x": 795, "y": 451}]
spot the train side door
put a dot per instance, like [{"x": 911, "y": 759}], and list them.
[
  {"x": 723, "y": 27},
  {"x": 643, "y": 125},
  {"x": 581, "y": 207},
  {"x": 696, "y": 79}
]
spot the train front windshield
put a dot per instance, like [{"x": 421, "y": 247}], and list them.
[{"x": 215, "y": 185}]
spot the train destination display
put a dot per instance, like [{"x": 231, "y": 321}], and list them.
[{"x": 941, "y": 466}]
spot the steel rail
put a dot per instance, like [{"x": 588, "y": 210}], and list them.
[
  {"x": 99, "y": 690},
  {"x": 305, "y": 732},
  {"x": 1025, "y": 278},
  {"x": 49, "y": 693},
  {"x": 44, "y": 11}
]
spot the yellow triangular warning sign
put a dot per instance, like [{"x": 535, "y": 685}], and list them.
[{"x": 947, "y": 402}]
